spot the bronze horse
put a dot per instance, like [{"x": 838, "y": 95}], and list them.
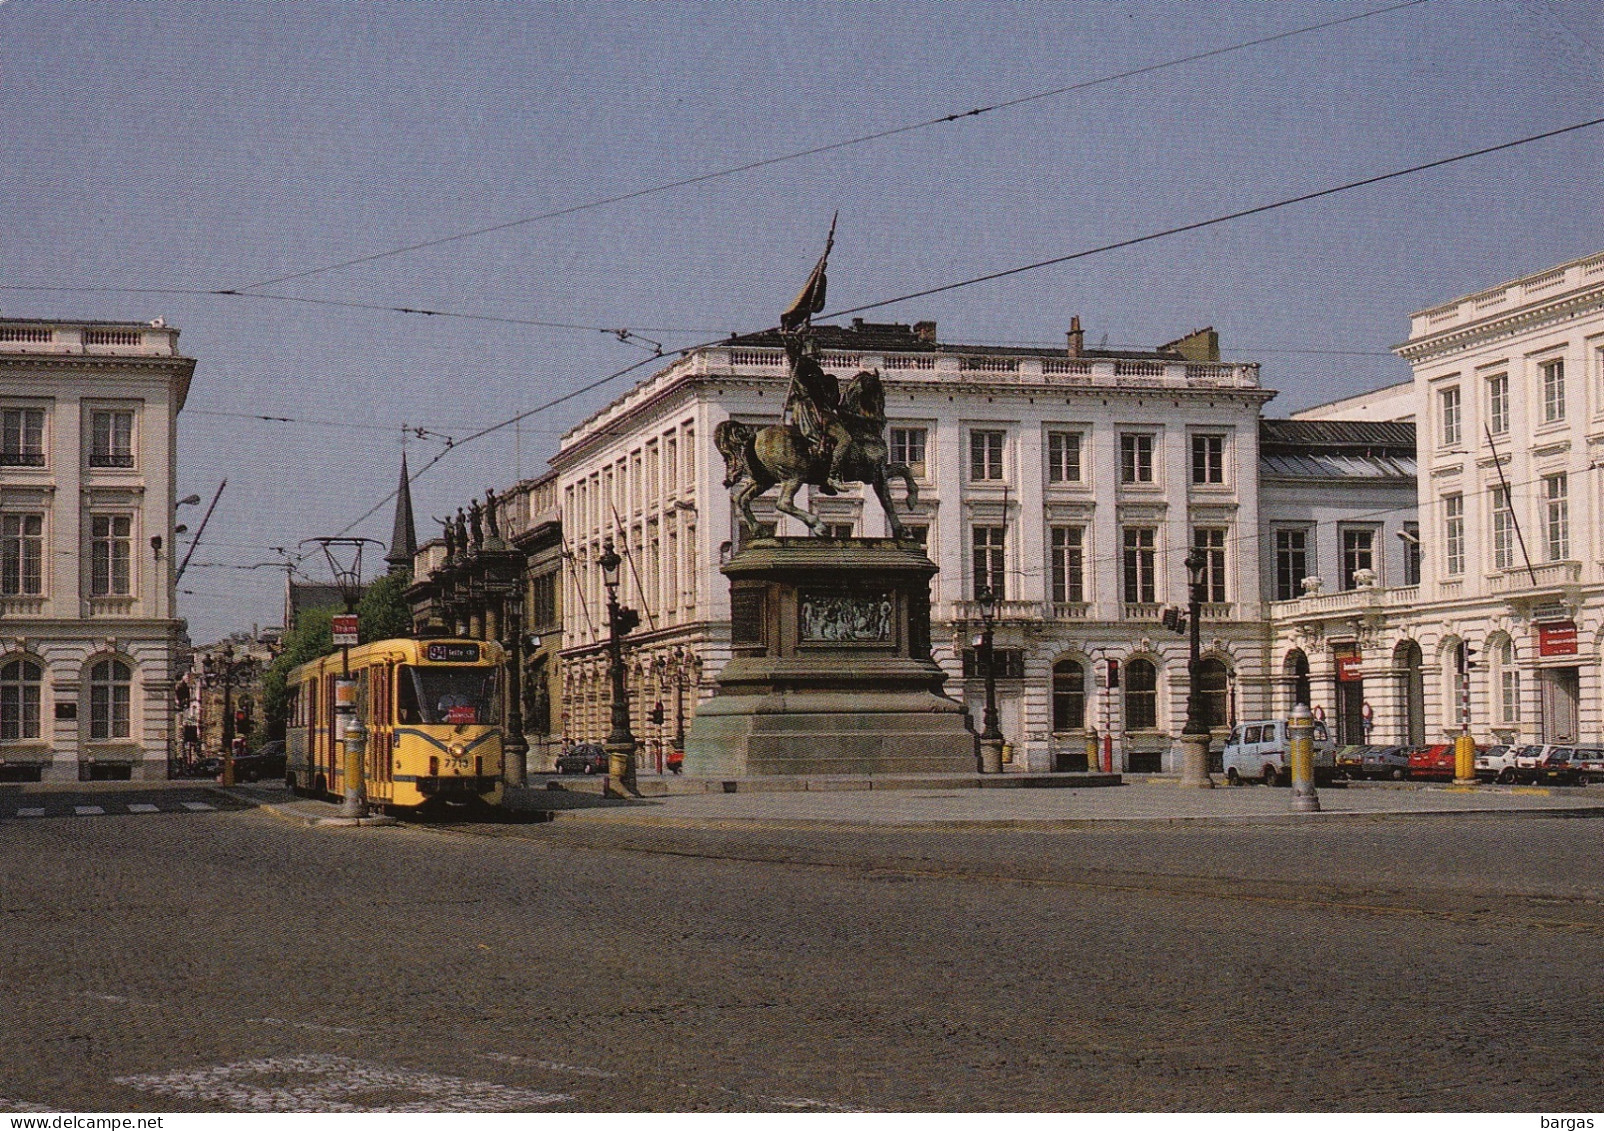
[{"x": 778, "y": 454}]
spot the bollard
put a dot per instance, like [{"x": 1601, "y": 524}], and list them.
[
  {"x": 1091, "y": 751},
  {"x": 1465, "y": 760},
  {"x": 356, "y": 785},
  {"x": 1300, "y": 752},
  {"x": 991, "y": 756}
]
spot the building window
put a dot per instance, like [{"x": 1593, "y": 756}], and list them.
[
  {"x": 1069, "y": 695},
  {"x": 20, "y": 681},
  {"x": 1503, "y": 529},
  {"x": 1498, "y": 403},
  {"x": 1067, "y": 565},
  {"x": 1214, "y": 690},
  {"x": 21, "y": 554},
  {"x": 1557, "y": 517},
  {"x": 1210, "y": 541},
  {"x": 1411, "y": 541},
  {"x": 22, "y": 437},
  {"x": 1508, "y": 683},
  {"x": 1063, "y": 457},
  {"x": 916, "y": 534},
  {"x": 1291, "y": 563},
  {"x": 109, "y": 537},
  {"x": 840, "y": 531},
  {"x": 543, "y": 600},
  {"x": 111, "y": 438},
  {"x": 1140, "y": 562},
  {"x": 988, "y": 560},
  {"x": 1448, "y": 407},
  {"x": 1136, "y": 457},
  {"x": 110, "y": 682},
  {"x": 1553, "y": 373},
  {"x": 1208, "y": 459},
  {"x": 1141, "y": 695},
  {"x": 1358, "y": 552},
  {"x": 985, "y": 455},
  {"x": 1453, "y": 534},
  {"x": 908, "y": 449}
]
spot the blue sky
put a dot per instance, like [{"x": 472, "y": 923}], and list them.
[{"x": 211, "y": 145}]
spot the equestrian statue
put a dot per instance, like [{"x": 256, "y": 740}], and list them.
[{"x": 827, "y": 436}]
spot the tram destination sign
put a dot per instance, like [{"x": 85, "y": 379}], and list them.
[
  {"x": 452, "y": 653},
  {"x": 345, "y": 629}
]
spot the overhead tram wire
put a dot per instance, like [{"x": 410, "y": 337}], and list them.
[
  {"x": 992, "y": 276},
  {"x": 814, "y": 151}
]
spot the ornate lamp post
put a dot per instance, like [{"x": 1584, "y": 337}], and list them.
[
  {"x": 620, "y": 744},
  {"x": 991, "y": 736},
  {"x": 1195, "y": 734},
  {"x": 232, "y": 673}
]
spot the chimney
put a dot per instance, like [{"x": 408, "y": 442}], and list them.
[
  {"x": 1077, "y": 338},
  {"x": 925, "y": 332}
]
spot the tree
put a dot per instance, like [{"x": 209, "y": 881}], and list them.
[{"x": 383, "y": 612}]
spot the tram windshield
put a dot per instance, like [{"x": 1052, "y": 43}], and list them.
[{"x": 452, "y": 696}]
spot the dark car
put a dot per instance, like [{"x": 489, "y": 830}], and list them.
[
  {"x": 1386, "y": 762},
  {"x": 265, "y": 764},
  {"x": 586, "y": 758}
]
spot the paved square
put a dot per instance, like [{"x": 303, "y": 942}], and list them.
[{"x": 335, "y": 1083}]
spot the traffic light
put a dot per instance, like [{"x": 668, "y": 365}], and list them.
[
  {"x": 1174, "y": 620},
  {"x": 656, "y": 714},
  {"x": 628, "y": 620},
  {"x": 1467, "y": 656},
  {"x": 1113, "y": 673}
]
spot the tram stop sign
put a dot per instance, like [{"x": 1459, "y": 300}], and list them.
[{"x": 345, "y": 629}]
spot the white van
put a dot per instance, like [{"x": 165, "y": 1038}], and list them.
[{"x": 1258, "y": 750}]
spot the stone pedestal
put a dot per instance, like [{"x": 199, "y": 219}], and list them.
[{"x": 830, "y": 670}]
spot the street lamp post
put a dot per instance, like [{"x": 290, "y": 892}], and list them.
[
  {"x": 991, "y": 736},
  {"x": 1195, "y": 734},
  {"x": 620, "y": 744},
  {"x": 232, "y": 674},
  {"x": 515, "y": 747}
]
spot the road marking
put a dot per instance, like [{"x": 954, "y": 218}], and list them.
[
  {"x": 336, "y": 1084},
  {"x": 89, "y": 810},
  {"x": 142, "y": 807},
  {"x": 198, "y": 806},
  {"x": 312, "y": 1025},
  {"x": 30, "y": 812}
]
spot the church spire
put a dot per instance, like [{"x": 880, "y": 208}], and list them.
[{"x": 404, "y": 536}]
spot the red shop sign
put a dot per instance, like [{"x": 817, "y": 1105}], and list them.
[
  {"x": 1558, "y": 639},
  {"x": 1350, "y": 669}
]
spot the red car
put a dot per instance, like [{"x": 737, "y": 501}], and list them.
[{"x": 1432, "y": 761}]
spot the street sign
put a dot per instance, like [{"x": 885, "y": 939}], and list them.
[{"x": 345, "y": 630}]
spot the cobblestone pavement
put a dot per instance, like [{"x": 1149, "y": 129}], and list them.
[{"x": 239, "y": 961}]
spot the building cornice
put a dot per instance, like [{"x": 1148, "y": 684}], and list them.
[{"x": 1503, "y": 326}]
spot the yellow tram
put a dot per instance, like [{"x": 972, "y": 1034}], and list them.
[{"x": 431, "y": 709}]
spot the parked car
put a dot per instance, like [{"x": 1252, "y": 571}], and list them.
[
  {"x": 1258, "y": 750},
  {"x": 1497, "y": 763},
  {"x": 265, "y": 764},
  {"x": 1550, "y": 763},
  {"x": 585, "y": 758},
  {"x": 1434, "y": 760},
  {"x": 1385, "y": 762},
  {"x": 1587, "y": 763},
  {"x": 1350, "y": 761}
]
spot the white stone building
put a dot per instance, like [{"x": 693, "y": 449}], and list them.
[
  {"x": 1509, "y": 403},
  {"x": 88, "y": 636},
  {"x": 1074, "y": 481}
]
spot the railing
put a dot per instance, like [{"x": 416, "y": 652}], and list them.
[
  {"x": 1217, "y": 610},
  {"x": 22, "y": 606},
  {"x": 988, "y": 365},
  {"x": 1547, "y": 575},
  {"x": 1068, "y": 610},
  {"x": 1138, "y": 369},
  {"x": 1143, "y": 610},
  {"x": 910, "y": 361},
  {"x": 111, "y": 606},
  {"x": 1543, "y": 282},
  {"x": 27, "y": 334},
  {"x": 1005, "y": 611},
  {"x": 113, "y": 338},
  {"x": 757, "y": 357}
]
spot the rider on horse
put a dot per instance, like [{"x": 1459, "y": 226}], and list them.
[{"x": 813, "y": 404}]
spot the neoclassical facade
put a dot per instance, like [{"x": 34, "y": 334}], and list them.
[
  {"x": 1073, "y": 481},
  {"x": 1503, "y": 631},
  {"x": 88, "y": 635}
]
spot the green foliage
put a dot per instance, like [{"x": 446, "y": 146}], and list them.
[{"x": 383, "y": 612}]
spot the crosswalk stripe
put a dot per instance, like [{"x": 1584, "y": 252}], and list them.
[
  {"x": 89, "y": 810},
  {"x": 142, "y": 807},
  {"x": 198, "y": 806},
  {"x": 30, "y": 812}
]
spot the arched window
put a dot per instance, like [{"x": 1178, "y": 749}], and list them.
[
  {"x": 19, "y": 700},
  {"x": 1212, "y": 686},
  {"x": 1069, "y": 695},
  {"x": 1508, "y": 682},
  {"x": 1453, "y": 685},
  {"x": 110, "y": 690},
  {"x": 1409, "y": 661},
  {"x": 1141, "y": 695},
  {"x": 1297, "y": 669}
]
